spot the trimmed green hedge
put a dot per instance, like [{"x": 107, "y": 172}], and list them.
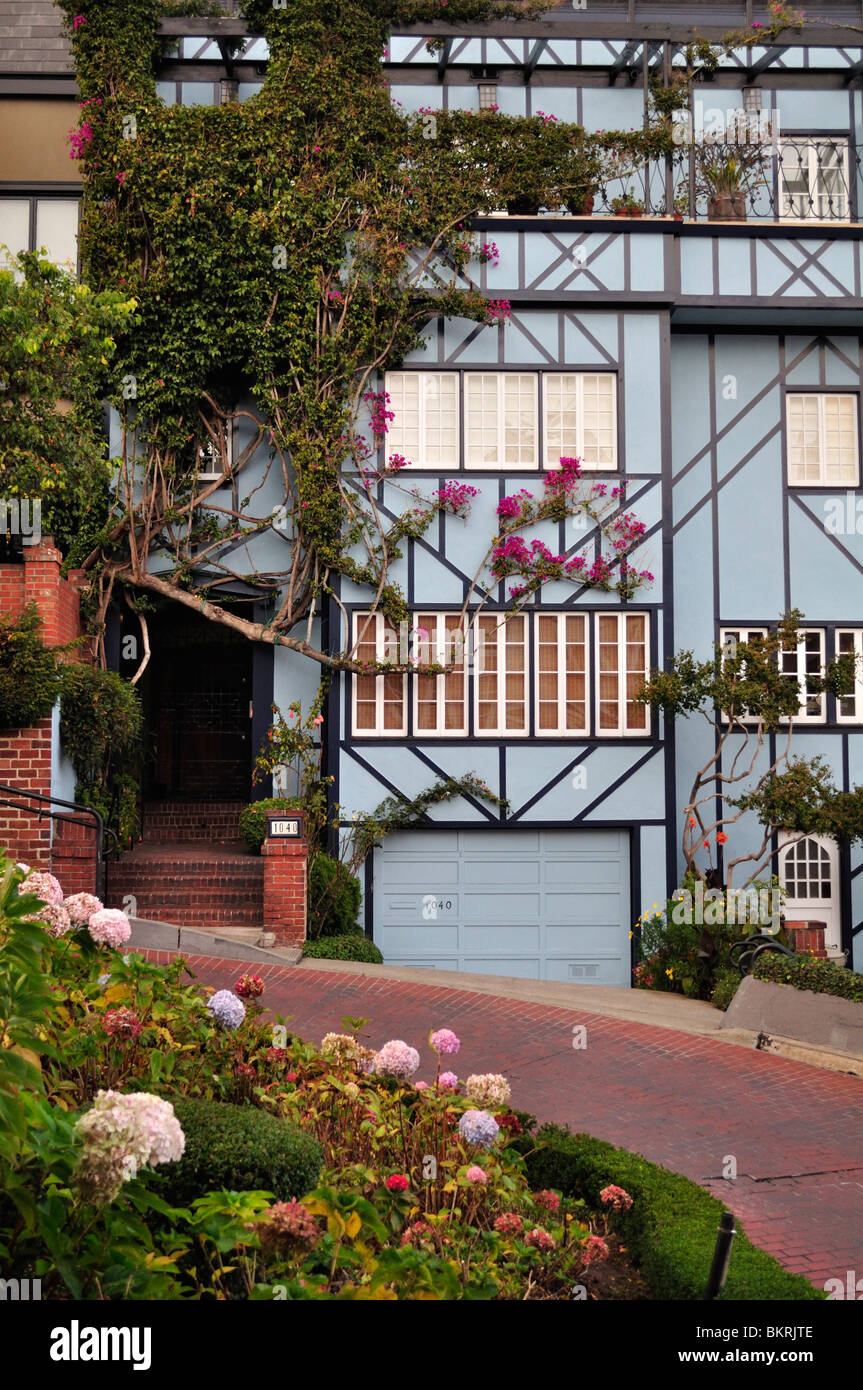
[
  {"x": 807, "y": 972},
  {"x": 670, "y": 1231},
  {"x": 343, "y": 948},
  {"x": 239, "y": 1148},
  {"x": 334, "y": 898}
]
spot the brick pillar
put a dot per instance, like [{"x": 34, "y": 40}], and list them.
[
  {"x": 807, "y": 938},
  {"x": 73, "y": 855},
  {"x": 285, "y": 889}
]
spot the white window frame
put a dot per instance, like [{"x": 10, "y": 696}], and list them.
[
  {"x": 32, "y": 202},
  {"x": 622, "y": 730},
  {"x": 856, "y": 634},
  {"x": 379, "y": 730},
  {"x": 436, "y": 625},
  {"x": 500, "y": 464},
  {"x": 207, "y": 455},
  {"x": 394, "y": 445},
  {"x": 500, "y": 729},
  {"x": 560, "y": 729},
  {"x": 808, "y": 146},
  {"x": 822, "y": 480},
  {"x": 578, "y": 448},
  {"x": 802, "y": 716},
  {"x": 742, "y": 633}
]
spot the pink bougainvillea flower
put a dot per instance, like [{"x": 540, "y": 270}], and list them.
[{"x": 78, "y": 21}]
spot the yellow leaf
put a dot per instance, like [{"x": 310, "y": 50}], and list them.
[
  {"x": 115, "y": 994},
  {"x": 353, "y": 1225},
  {"x": 335, "y": 1225},
  {"x": 364, "y": 1295}
]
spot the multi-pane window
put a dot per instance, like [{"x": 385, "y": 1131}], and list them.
[
  {"x": 621, "y": 671},
  {"x": 498, "y": 424},
  {"x": 425, "y": 429},
  {"x": 580, "y": 418},
  {"x": 500, "y": 682},
  {"x": 380, "y": 702},
  {"x": 822, "y": 439},
  {"x": 500, "y": 420},
  {"x": 525, "y": 674},
  {"x": 806, "y": 871},
  {"x": 440, "y": 701},
  {"x": 29, "y": 224},
  {"x": 849, "y": 708},
  {"x": 729, "y": 639},
  {"x": 802, "y": 664},
  {"x": 813, "y": 180},
  {"x": 561, "y": 673}
]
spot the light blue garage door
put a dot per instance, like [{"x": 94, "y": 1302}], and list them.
[{"x": 541, "y": 904}]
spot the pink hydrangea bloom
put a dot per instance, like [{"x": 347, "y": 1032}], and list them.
[
  {"x": 595, "y": 1249},
  {"x": 616, "y": 1197},
  {"x": 476, "y": 1174},
  {"x": 110, "y": 927},
  {"x": 54, "y": 919},
  {"x": 549, "y": 1200},
  {"x": 445, "y": 1042},
  {"x": 540, "y": 1239},
  {"x": 398, "y": 1059},
  {"x": 44, "y": 886},
  {"x": 121, "y": 1134},
  {"x": 447, "y": 1081},
  {"x": 397, "y": 1182},
  {"x": 509, "y": 1224},
  {"x": 81, "y": 907}
]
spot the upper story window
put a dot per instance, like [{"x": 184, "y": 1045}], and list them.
[
  {"x": 621, "y": 671},
  {"x": 849, "y": 708},
  {"x": 512, "y": 675},
  {"x": 380, "y": 702},
  {"x": 813, "y": 180},
  {"x": 800, "y": 664},
  {"x": 503, "y": 420},
  {"x": 426, "y": 425},
  {"x": 822, "y": 439},
  {"x": 500, "y": 688},
  {"x": 562, "y": 700},
  {"x": 30, "y": 223}
]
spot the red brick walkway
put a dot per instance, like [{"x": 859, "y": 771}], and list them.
[{"x": 796, "y": 1132}]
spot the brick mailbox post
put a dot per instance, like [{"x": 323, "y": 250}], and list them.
[{"x": 285, "y": 853}]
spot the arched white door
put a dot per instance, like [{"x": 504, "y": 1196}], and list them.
[{"x": 809, "y": 873}]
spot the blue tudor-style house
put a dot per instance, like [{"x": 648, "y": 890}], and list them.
[{"x": 717, "y": 367}]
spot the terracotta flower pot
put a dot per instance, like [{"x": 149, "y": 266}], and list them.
[
  {"x": 585, "y": 207},
  {"x": 727, "y": 207}
]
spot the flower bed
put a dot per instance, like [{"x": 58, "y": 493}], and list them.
[{"x": 136, "y": 1103}]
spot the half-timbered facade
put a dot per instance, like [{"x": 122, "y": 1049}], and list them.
[{"x": 716, "y": 367}]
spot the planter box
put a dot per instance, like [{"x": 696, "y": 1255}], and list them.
[
  {"x": 783, "y": 1011},
  {"x": 727, "y": 207}
]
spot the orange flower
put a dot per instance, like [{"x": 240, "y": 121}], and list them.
[{"x": 722, "y": 838}]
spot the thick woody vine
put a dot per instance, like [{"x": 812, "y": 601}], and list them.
[{"x": 285, "y": 251}]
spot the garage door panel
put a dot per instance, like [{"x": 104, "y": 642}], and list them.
[
  {"x": 499, "y": 938},
  {"x": 404, "y": 938},
  {"x": 426, "y": 875},
  {"x": 506, "y": 908},
  {"x": 532, "y": 904},
  {"x": 493, "y": 873},
  {"x": 569, "y": 910}
]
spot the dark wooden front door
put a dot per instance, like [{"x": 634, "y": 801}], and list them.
[{"x": 198, "y": 700}]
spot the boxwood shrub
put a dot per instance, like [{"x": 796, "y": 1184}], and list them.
[
  {"x": 354, "y": 947},
  {"x": 239, "y": 1148},
  {"x": 670, "y": 1231},
  {"x": 334, "y": 898},
  {"x": 807, "y": 972}
]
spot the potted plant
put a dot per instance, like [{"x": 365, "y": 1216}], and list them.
[
  {"x": 727, "y": 174},
  {"x": 625, "y": 205}
]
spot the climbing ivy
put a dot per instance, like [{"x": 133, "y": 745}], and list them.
[{"x": 287, "y": 250}]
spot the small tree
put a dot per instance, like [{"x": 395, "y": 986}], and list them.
[{"x": 744, "y": 697}]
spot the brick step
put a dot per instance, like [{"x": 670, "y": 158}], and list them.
[
  {"x": 191, "y": 885},
  {"x": 191, "y": 821}
]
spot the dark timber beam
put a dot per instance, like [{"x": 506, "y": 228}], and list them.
[
  {"x": 533, "y": 58},
  {"x": 765, "y": 61},
  {"x": 443, "y": 58},
  {"x": 624, "y": 61}
]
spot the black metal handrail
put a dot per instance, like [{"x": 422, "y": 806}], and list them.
[{"x": 21, "y": 795}]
